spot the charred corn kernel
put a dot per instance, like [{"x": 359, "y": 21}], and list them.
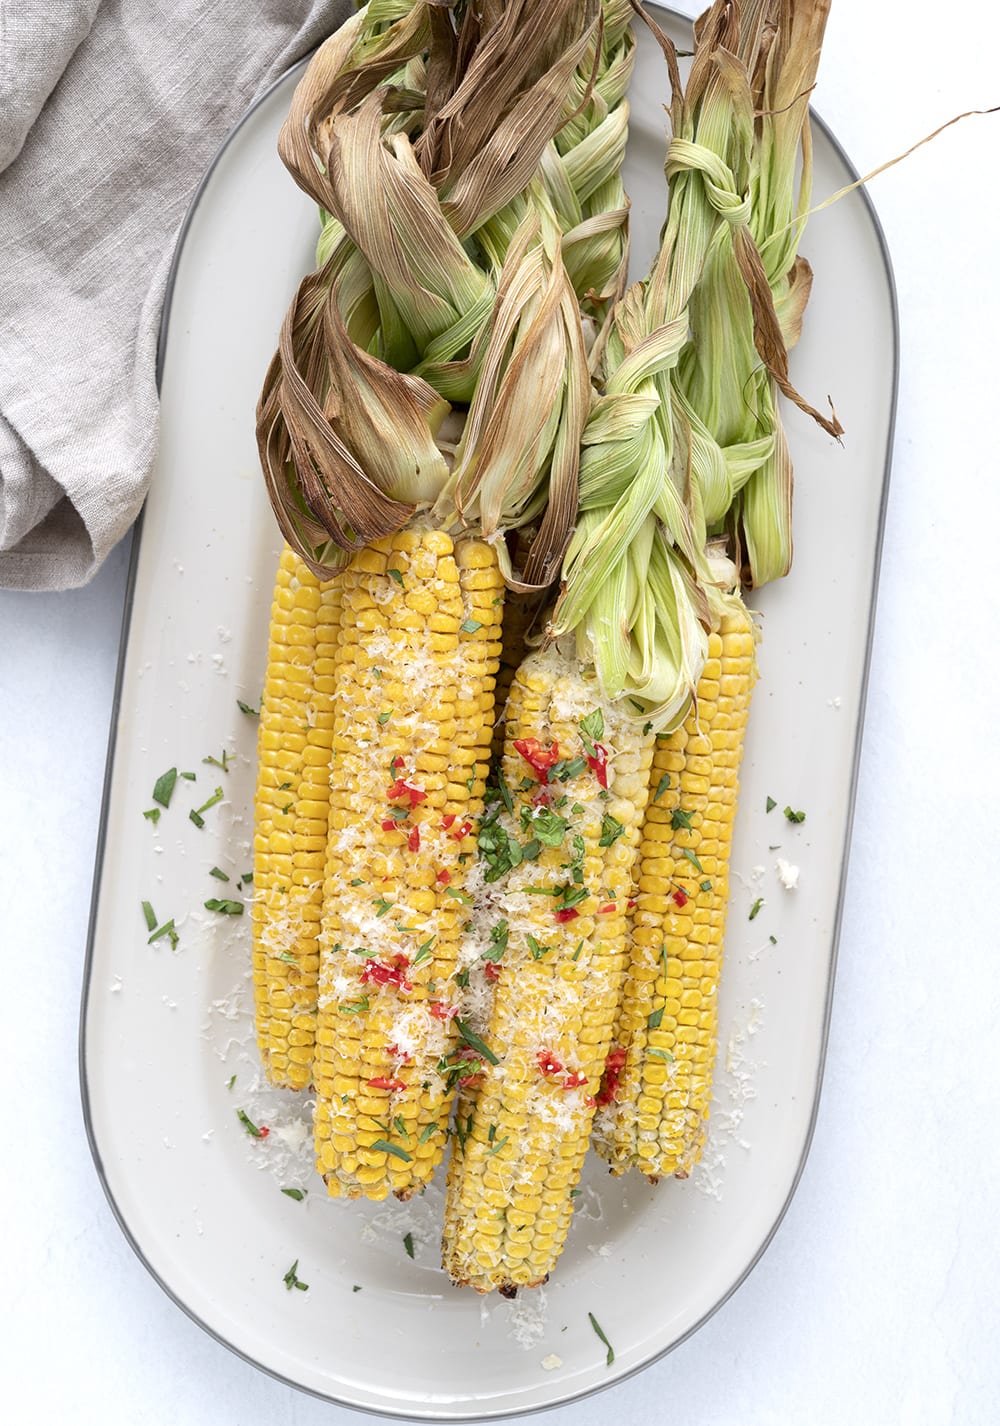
[
  {"x": 556, "y": 947},
  {"x": 657, "y": 1100},
  {"x": 290, "y": 816},
  {"x": 406, "y": 794}
]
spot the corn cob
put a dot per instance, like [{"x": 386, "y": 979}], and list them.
[
  {"x": 290, "y": 816},
  {"x": 576, "y": 777},
  {"x": 414, "y": 699},
  {"x": 656, "y": 1094}
]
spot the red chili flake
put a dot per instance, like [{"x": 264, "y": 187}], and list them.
[
  {"x": 537, "y": 758},
  {"x": 441, "y": 1011},
  {"x": 471, "y": 1081},
  {"x": 397, "y": 1053},
  {"x": 449, "y": 820},
  {"x": 612, "y": 1077},
  {"x": 603, "y": 910},
  {"x": 396, "y": 762},
  {"x": 681, "y": 897},
  {"x": 598, "y": 764},
  {"x": 542, "y": 796},
  {"x": 403, "y": 791},
  {"x": 413, "y": 840},
  {"x": 389, "y": 825},
  {"x": 566, "y": 913},
  {"x": 387, "y": 972},
  {"x": 574, "y": 1079},
  {"x": 444, "y": 877},
  {"x": 491, "y": 971},
  {"x": 263, "y": 1131},
  {"x": 390, "y": 1085},
  {"x": 462, "y": 830},
  {"x": 590, "y": 1102},
  {"x": 631, "y": 902},
  {"x": 548, "y": 1064}
]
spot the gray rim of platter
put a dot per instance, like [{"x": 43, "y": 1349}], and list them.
[{"x": 571, "y": 1396}]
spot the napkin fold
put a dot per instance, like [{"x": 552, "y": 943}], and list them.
[{"x": 110, "y": 112}]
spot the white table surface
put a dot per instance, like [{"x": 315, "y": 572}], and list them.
[{"x": 877, "y": 1300}]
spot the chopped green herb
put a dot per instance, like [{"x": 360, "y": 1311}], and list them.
[
  {"x": 426, "y": 1132},
  {"x": 150, "y": 916},
  {"x": 248, "y": 1124},
  {"x": 572, "y": 895},
  {"x": 247, "y": 878},
  {"x": 531, "y": 850},
  {"x": 576, "y": 953},
  {"x": 794, "y": 816},
  {"x": 706, "y": 885},
  {"x": 355, "y": 1288},
  {"x": 297, "y": 1193},
  {"x": 196, "y": 818},
  {"x": 224, "y": 907},
  {"x": 565, "y": 769},
  {"x": 424, "y": 953},
  {"x": 770, "y": 805},
  {"x": 773, "y": 940},
  {"x": 408, "y": 1244},
  {"x": 661, "y": 1055},
  {"x": 288, "y": 958},
  {"x": 396, "y": 574},
  {"x": 661, "y": 787},
  {"x": 284, "y": 786},
  {"x": 655, "y": 1019},
  {"x": 755, "y": 908},
  {"x": 611, "y": 830},
  {"x": 377, "y": 672},
  {"x": 216, "y": 796},
  {"x": 680, "y": 819},
  {"x": 687, "y": 852},
  {"x": 462, "y": 979},
  {"x": 232, "y": 1081},
  {"x": 219, "y": 874},
  {"x": 497, "y": 1146},
  {"x": 383, "y": 718},
  {"x": 498, "y": 850},
  {"x": 575, "y": 1192},
  {"x": 504, "y": 791},
  {"x": 592, "y": 728},
  {"x": 381, "y": 905},
  {"x": 167, "y": 929},
  {"x": 646, "y": 728},
  {"x": 458, "y": 895},
  {"x": 189, "y": 776},
  {"x": 358, "y": 881},
  {"x": 354, "y": 1007},
  {"x": 164, "y": 787},
  {"x": 499, "y": 936},
  {"x": 470, "y": 626},
  {"x": 222, "y": 763},
  {"x": 394, "y": 1149},
  {"x": 291, "y": 1278},
  {"x": 400, "y": 1126},
  {"x": 597, "y": 1328},
  {"x": 152, "y": 814},
  {"x": 474, "y": 1042},
  {"x": 536, "y": 950},
  {"x": 245, "y": 708}
]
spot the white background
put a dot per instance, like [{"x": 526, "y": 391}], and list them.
[{"x": 877, "y": 1301}]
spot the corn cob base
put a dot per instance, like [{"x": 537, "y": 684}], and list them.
[
  {"x": 417, "y": 661},
  {"x": 290, "y": 817},
  {"x": 558, "y": 919},
  {"x": 658, "y": 1088}
]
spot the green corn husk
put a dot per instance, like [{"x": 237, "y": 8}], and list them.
[
  {"x": 468, "y": 176},
  {"x": 685, "y": 442}
]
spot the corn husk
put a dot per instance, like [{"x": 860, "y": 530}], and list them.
[{"x": 467, "y": 170}]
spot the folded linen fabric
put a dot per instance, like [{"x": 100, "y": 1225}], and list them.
[{"x": 110, "y": 111}]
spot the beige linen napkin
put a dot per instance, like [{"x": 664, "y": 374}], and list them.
[{"x": 110, "y": 111}]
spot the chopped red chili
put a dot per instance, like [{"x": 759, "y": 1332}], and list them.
[
  {"x": 389, "y": 825},
  {"x": 491, "y": 971},
  {"x": 598, "y": 764},
  {"x": 681, "y": 897},
  {"x": 631, "y": 902},
  {"x": 462, "y": 830},
  {"x": 566, "y": 913},
  {"x": 444, "y": 877},
  {"x": 413, "y": 840},
  {"x": 470, "y": 1081},
  {"x": 381, "y": 1082},
  {"x": 538, "y": 758},
  {"x": 397, "y": 1053},
  {"x": 449, "y": 820},
  {"x": 548, "y": 1064},
  {"x": 603, "y": 910},
  {"x": 574, "y": 1079},
  {"x": 612, "y": 1077},
  {"x": 440, "y": 1011},
  {"x": 402, "y": 791},
  {"x": 387, "y": 972},
  {"x": 263, "y": 1131}
]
